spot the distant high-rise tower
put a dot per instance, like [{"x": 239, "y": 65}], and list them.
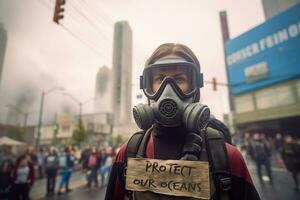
[
  {"x": 103, "y": 90},
  {"x": 122, "y": 68},
  {"x": 3, "y": 40},
  {"x": 273, "y": 7}
]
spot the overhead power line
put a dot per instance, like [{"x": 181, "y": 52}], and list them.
[
  {"x": 82, "y": 41},
  {"x": 87, "y": 19},
  {"x": 107, "y": 20},
  {"x": 84, "y": 36},
  {"x": 87, "y": 29},
  {"x": 90, "y": 45},
  {"x": 96, "y": 15},
  {"x": 46, "y": 4}
]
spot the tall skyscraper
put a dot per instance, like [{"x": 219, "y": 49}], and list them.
[
  {"x": 122, "y": 69},
  {"x": 3, "y": 40},
  {"x": 103, "y": 90},
  {"x": 273, "y": 7}
]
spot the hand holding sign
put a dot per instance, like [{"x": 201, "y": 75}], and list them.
[{"x": 170, "y": 177}]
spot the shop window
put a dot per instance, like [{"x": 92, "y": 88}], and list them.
[
  {"x": 244, "y": 103},
  {"x": 274, "y": 96},
  {"x": 284, "y": 95},
  {"x": 298, "y": 88},
  {"x": 65, "y": 128}
]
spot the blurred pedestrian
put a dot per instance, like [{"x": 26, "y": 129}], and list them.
[
  {"x": 85, "y": 154},
  {"x": 51, "y": 166},
  {"x": 31, "y": 153},
  {"x": 7, "y": 155},
  {"x": 6, "y": 168},
  {"x": 7, "y": 160},
  {"x": 260, "y": 152},
  {"x": 245, "y": 146},
  {"x": 23, "y": 177},
  {"x": 291, "y": 157},
  {"x": 71, "y": 165},
  {"x": 93, "y": 166},
  {"x": 65, "y": 165},
  {"x": 41, "y": 156},
  {"x": 278, "y": 144},
  {"x": 106, "y": 167}
]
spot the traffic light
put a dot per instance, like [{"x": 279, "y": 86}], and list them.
[
  {"x": 214, "y": 84},
  {"x": 58, "y": 10},
  {"x": 55, "y": 128}
]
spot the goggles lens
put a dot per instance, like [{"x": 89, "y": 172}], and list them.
[{"x": 185, "y": 76}]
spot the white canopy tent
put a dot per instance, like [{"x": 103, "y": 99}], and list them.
[{"x": 10, "y": 142}]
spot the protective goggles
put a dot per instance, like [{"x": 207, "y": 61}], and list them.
[{"x": 184, "y": 77}]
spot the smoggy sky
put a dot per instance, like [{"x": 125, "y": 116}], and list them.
[{"x": 40, "y": 54}]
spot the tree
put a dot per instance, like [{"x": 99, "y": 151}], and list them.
[
  {"x": 79, "y": 134},
  {"x": 17, "y": 133},
  {"x": 118, "y": 140}
]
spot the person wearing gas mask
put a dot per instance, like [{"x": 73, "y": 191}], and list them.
[{"x": 175, "y": 126}]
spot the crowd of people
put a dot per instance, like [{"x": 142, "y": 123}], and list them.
[
  {"x": 96, "y": 161},
  {"x": 19, "y": 172},
  {"x": 263, "y": 150}
]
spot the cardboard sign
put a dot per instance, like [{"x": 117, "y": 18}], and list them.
[{"x": 170, "y": 177}]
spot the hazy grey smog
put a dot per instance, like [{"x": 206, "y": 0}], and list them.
[{"x": 138, "y": 100}]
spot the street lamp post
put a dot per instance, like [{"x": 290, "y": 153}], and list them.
[
  {"x": 44, "y": 93},
  {"x": 80, "y": 111},
  {"x": 80, "y": 104}
]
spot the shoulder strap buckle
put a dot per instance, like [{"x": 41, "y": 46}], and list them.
[
  {"x": 225, "y": 184},
  {"x": 125, "y": 170}
]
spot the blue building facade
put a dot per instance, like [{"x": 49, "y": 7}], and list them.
[
  {"x": 267, "y": 54},
  {"x": 264, "y": 74}
]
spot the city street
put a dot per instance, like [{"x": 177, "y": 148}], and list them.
[
  {"x": 77, "y": 184},
  {"x": 85, "y": 84},
  {"x": 283, "y": 187}
]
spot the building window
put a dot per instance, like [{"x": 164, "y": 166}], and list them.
[
  {"x": 265, "y": 98},
  {"x": 244, "y": 103},
  {"x": 298, "y": 88},
  {"x": 284, "y": 95},
  {"x": 275, "y": 96},
  {"x": 65, "y": 128}
]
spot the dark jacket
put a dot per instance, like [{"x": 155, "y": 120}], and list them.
[
  {"x": 97, "y": 164},
  {"x": 84, "y": 158},
  {"x": 259, "y": 150},
  {"x": 291, "y": 156}
]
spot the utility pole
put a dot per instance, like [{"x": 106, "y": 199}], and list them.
[
  {"x": 37, "y": 142},
  {"x": 80, "y": 112},
  {"x": 58, "y": 10},
  {"x": 226, "y": 37},
  {"x": 25, "y": 120},
  {"x": 55, "y": 129}
]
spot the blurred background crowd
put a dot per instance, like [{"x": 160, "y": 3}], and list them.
[{"x": 20, "y": 170}]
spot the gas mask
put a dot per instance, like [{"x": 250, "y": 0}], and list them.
[{"x": 171, "y": 85}]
